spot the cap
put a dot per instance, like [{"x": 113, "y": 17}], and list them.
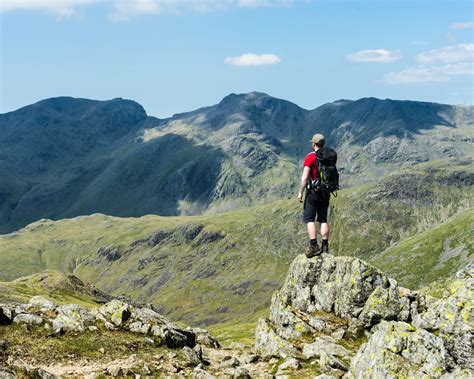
[{"x": 317, "y": 138}]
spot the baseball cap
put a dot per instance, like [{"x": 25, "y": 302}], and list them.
[{"x": 317, "y": 138}]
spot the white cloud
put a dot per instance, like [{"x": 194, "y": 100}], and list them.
[
  {"x": 377, "y": 56},
  {"x": 425, "y": 74},
  {"x": 462, "y": 25},
  {"x": 250, "y": 59},
  {"x": 59, "y": 8},
  {"x": 448, "y": 54}
]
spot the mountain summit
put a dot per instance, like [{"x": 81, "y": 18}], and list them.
[{"x": 64, "y": 157}]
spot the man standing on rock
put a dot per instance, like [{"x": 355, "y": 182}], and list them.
[{"x": 316, "y": 202}]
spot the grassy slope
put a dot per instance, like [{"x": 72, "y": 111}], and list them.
[
  {"x": 53, "y": 285},
  {"x": 231, "y": 279},
  {"x": 436, "y": 253}
]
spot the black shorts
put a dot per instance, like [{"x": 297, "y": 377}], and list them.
[{"x": 315, "y": 204}]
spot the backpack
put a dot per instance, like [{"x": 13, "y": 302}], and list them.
[{"x": 328, "y": 180}]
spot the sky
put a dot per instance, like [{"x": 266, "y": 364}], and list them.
[{"x": 174, "y": 56}]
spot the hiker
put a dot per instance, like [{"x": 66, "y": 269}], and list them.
[{"x": 316, "y": 202}]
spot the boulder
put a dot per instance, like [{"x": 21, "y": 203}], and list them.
[
  {"x": 324, "y": 345},
  {"x": 453, "y": 320},
  {"x": 398, "y": 349},
  {"x": 289, "y": 364},
  {"x": 29, "y": 319},
  {"x": 41, "y": 303},
  {"x": 116, "y": 312},
  {"x": 72, "y": 318},
  {"x": 269, "y": 344},
  {"x": 190, "y": 357},
  {"x": 6, "y": 314}
]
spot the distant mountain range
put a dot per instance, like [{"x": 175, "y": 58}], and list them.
[{"x": 64, "y": 157}]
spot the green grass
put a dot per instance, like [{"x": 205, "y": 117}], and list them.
[
  {"x": 436, "y": 253},
  {"x": 231, "y": 279}
]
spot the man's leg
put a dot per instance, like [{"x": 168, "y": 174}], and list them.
[
  {"x": 309, "y": 214},
  {"x": 324, "y": 230},
  {"x": 311, "y": 230}
]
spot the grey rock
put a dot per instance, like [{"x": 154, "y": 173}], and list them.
[
  {"x": 205, "y": 339},
  {"x": 229, "y": 361},
  {"x": 28, "y": 319},
  {"x": 238, "y": 373},
  {"x": 116, "y": 312},
  {"x": 269, "y": 344},
  {"x": 6, "y": 314},
  {"x": 401, "y": 350},
  {"x": 289, "y": 364},
  {"x": 41, "y": 303},
  {"x": 190, "y": 357},
  {"x": 453, "y": 319},
  {"x": 327, "y": 360},
  {"x": 326, "y": 345},
  {"x": 251, "y": 359},
  {"x": 139, "y": 327},
  {"x": 6, "y": 373},
  {"x": 237, "y": 346},
  {"x": 72, "y": 318}
]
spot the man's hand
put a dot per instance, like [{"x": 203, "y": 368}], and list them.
[{"x": 300, "y": 197}]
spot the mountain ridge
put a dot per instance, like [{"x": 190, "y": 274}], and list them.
[{"x": 60, "y": 155}]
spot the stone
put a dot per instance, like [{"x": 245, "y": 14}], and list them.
[
  {"x": 400, "y": 350},
  {"x": 251, "y": 359},
  {"x": 198, "y": 350},
  {"x": 453, "y": 320},
  {"x": 269, "y": 344},
  {"x": 41, "y": 303},
  {"x": 6, "y": 373},
  {"x": 116, "y": 312},
  {"x": 28, "y": 319},
  {"x": 327, "y": 360},
  {"x": 324, "y": 344},
  {"x": 203, "y": 338},
  {"x": 190, "y": 357},
  {"x": 238, "y": 373},
  {"x": 229, "y": 361},
  {"x": 71, "y": 318},
  {"x": 200, "y": 373},
  {"x": 139, "y": 327},
  {"x": 146, "y": 369},
  {"x": 289, "y": 364},
  {"x": 6, "y": 314},
  {"x": 236, "y": 346},
  {"x": 114, "y": 370},
  {"x": 338, "y": 334}
]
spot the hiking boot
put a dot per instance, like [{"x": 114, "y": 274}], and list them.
[
  {"x": 325, "y": 249},
  {"x": 312, "y": 251}
]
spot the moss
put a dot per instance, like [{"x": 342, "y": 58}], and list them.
[{"x": 45, "y": 349}]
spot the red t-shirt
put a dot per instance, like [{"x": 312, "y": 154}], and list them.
[{"x": 310, "y": 161}]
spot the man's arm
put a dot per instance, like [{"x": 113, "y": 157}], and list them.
[{"x": 304, "y": 181}]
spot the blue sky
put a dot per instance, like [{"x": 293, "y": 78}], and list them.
[{"x": 174, "y": 56}]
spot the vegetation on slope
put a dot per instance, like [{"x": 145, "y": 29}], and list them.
[{"x": 223, "y": 268}]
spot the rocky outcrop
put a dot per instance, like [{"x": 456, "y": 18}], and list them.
[
  {"x": 353, "y": 320},
  {"x": 113, "y": 315}
]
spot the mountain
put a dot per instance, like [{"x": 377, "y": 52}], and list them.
[
  {"x": 64, "y": 157},
  {"x": 222, "y": 268}
]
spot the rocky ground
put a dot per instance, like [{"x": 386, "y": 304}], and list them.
[
  {"x": 334, "y": 317},
  {"x": 356, "y": 322}
]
